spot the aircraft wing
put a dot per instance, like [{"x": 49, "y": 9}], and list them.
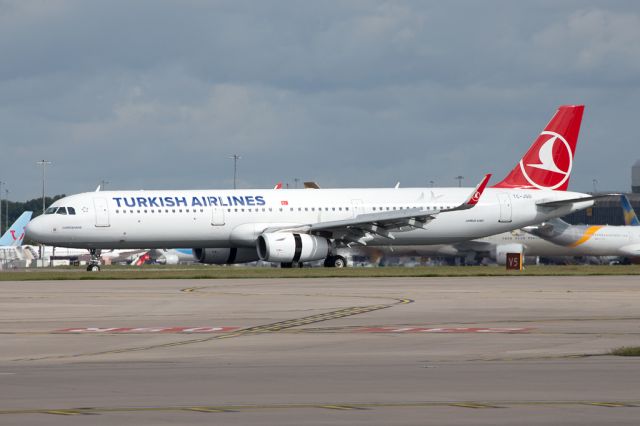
[{"x": 361, "y": 228}]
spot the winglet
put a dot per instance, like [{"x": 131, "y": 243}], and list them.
[
  {"x": 278, "y": 185},
  {"x": 474, "y": 197}
]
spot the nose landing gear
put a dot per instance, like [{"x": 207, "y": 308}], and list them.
[{"x": 94, "y": 263}]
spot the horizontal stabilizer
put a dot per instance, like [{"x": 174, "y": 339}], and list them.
[{"x": 560, "y": 203}]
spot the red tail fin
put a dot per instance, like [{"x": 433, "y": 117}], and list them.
[{"x": 548, "y": 163}]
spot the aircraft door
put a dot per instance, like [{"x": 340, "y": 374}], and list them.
[
  {"x": 217, "y": 216},
  {"x": 505, "y": 208},
  {"x": 357, "y": 207},
  {"x": 102, "y": 212}
]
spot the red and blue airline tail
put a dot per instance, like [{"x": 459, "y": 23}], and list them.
[
  {"x": 15, "y": 235},
  {"x": 548, "y": 163}
]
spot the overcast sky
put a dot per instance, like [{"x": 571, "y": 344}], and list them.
[{"x": 158, "y": 94}]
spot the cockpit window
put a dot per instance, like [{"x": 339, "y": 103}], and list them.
[
  {"x": 62, "y": 210},
  {"x": 71, "y": 210},
  {"x": 50, "y": 210}
]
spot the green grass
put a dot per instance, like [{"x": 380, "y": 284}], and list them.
[
  {"x": 218, "y": 272},
  {"x": 626, "y": 351}
]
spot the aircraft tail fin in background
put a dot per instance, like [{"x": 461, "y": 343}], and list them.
[
  {"x": 630, "y": 218},
  {"x": 15, "y": 234},
  {"x": 548, "y": 162}
]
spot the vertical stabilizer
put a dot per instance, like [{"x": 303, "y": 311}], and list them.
[
  {"x": 15, "y": 234},
  {"x": 630, "y": 218},
  {"x": 548, "y": 162}
]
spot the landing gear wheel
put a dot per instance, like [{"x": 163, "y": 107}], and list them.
[
  {"x": 286, "y": 265},
  {"x": 339, "y": 262},
  {"x": 94, "y": 263},
  {"x": 335, "y": 262}
]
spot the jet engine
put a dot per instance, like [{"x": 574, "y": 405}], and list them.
[
  {"x": 224, "y": 256},
  {"x": 503, "y": 249},
  {"x": 168, "y": 259},
  {"x": 288, "y": 247}
]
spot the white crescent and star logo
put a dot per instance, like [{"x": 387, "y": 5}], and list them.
[{"x": 546, "y": 161}]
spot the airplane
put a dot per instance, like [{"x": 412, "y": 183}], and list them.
[
  {"x": 291, "y": 226},
  {"x": 165, "y": 256},
  {"x": 593, "y": 240}
]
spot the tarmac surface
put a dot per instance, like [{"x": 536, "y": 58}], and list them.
[{"x": 388, "y": 351}]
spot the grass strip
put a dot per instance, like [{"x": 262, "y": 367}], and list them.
[{"x": 231, "y": 272}]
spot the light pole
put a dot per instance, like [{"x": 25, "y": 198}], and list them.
[
  {"x": 43, "y": 163},
  {"x": 459, "y": 178},
  {"x": 6, "y": 207},
  {"x": 103, "y": 184},
  {"x": 296, "y": 180},
  {"x": 235, "y": 157},
  {"x": 595, "y": 186}
]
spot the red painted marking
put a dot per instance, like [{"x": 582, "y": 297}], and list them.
[
  {"x": 443, "y": 330},
  {"x": 135, "y": 330},
  {"x": 13, "y": 235}
]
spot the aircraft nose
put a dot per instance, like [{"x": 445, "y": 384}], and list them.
[{"x": 36, "y": 230}]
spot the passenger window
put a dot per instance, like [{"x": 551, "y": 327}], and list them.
[
  {"x": 71, "y": 210},
  {"x": 61, "y": 210}
]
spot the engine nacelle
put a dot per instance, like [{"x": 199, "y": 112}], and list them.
[
  {"x": 168, "y": 259},
  {"x": 287, "y": 247},
  {"x": 503, "y": 249},
  {"x": 224, "y": 256}
]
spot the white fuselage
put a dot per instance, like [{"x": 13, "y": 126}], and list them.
[{"x": 211, "y": 218}]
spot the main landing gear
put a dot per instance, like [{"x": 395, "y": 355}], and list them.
[
  {"x": 94, "y": 263},
  {"x": 335, "y": 262}
]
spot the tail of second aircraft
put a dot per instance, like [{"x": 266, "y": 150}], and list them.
[
  {"x": 548, "y": 163},
  {"x": 15, "y": 234},
  {"x": 630, "y": 218}
]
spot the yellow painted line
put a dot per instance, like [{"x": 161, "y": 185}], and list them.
[
  {"x": 207, "y": 410},
  {"x": 340, "y": 407},
  {"x": 588, "y": 233},
  {"x": 472, "y": 405},
  {"x": 63, "y": 412},
  {"x": 610, "y": 404}
]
